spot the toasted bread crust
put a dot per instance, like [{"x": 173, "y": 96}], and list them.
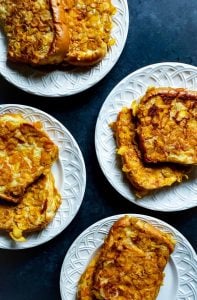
[
  {"x": 143, "y": 178},
  {"x": 61, "y": 39},
  {"x": 37, "y": 31},
  {"x": 167, "y": 125},
  {"x": 169, "y": 93}
]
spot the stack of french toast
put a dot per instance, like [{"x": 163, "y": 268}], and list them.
[
  {"x": 29, "y": 198},
  {"x": 157, "y": 138},
  {"x": 45, "y": 32}
]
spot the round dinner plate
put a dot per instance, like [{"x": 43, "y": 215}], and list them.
[
  {"x": 180, "y": 272},
  {"x": 69, "y": 82},
  {"x": 69, "y": 173},
  {"x": 175, "y": 198}
]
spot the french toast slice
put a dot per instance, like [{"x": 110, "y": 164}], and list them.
[
  {"x": 90, "y": 24},
  {"x": 35, "y": 211},
  {"x": 130, "y": 263},
  {"x": 167, "y": 125},
  {"x": 36, "y": 30},
  {"x": 26, "y": 152},
  {"x": 144, "y": 178}
]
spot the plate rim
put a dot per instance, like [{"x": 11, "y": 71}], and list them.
[
  {"x": 23, "y": 246},
  {"x": 29, "y": 90},
  {"x": 148, "y": 218},
  {"x": 123, "y": 194}
]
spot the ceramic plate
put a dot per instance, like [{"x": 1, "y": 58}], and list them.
[
  {"x": 65, "y": 83},
  {"x": 69, "y": 172},
  {"x": 175, "y": 198},
  {"x": 180, "y": 273}
]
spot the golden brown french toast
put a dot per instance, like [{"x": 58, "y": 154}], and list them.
[
  {"x": 90, "y": 24},
  {"x": 76, "y": 32},
  {"x": 143, "y": 177},
  {"x": 36, "y": 209},
  {"x": 130, "y": 263},
  {"x": 167, "y": 125},
  {"x": 36, "y": 30},
  {"x": 26, "y": 152}
]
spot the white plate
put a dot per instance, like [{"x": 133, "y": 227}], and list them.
[
  {"x": 175, "y": 198},
  {"x": 65, "y": 83},
  {"x": 180, "y": 273},
  {"x": 69, "y": 172}
]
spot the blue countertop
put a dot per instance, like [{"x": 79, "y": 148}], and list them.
[{"x": 159, "y": 31}]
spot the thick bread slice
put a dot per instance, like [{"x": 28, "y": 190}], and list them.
[
  {"x": 37, "y": 31},
  {"x": 167, "y": 125},
  {"x": 130, "y": 263},
  {"x": 26, "y": 152},
  {"x": 36, "y": 209},
  {"x": 144, "y": 178},
  {"x": 90, "y": 24}
]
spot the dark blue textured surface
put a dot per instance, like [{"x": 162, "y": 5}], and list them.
[{"x": 159, "y": 31}]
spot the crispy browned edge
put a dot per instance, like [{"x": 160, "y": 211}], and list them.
[
  {"x": 169, "y": 93},
  {"x": 139, "y": 191},
  {"x": 61, "y": 40},
  {"x": 88, "y": 61},
  {"x": 10, "y": 198}
]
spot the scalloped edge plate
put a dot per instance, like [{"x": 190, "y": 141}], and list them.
[
  {"x": 175, "y": 198},
  {"x": 180, "y": 273},
  {"x": 69, "y": 173},
  {"x": 75, "y": 80}
]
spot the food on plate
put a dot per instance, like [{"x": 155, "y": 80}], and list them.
[
  {"x": 85, "y": 285},
  {"x": 130, "y": 263},
  {"x": 143, "y": 177},
  {"x": 76, "y": 32},
  {"x": 26, "y": 152},
  {"x": 167, "y": 125},
  {"x": 36, "y": 209},
  {"x": 90, "y": 24},
  {"x": 37, "y": 31},
  {"x": 29, "y": 198}
]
